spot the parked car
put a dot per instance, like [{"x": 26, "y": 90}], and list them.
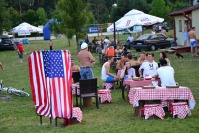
[
  {"x": 127, "y": 31},
  {"x": 6, "y": 43},
  {"x": 151, "y": 42}
]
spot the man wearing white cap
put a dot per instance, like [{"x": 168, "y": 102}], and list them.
[{"x": 86, "y": 59}]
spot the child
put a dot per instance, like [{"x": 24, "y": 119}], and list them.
[
  {"x": 20, "y": 50},
  {"x": 51, "y": 44}
]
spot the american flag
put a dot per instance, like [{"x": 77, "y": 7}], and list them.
[{"x": 50, "y": 80}]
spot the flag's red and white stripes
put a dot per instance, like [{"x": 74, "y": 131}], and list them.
[{"x": 52, "y": 96}]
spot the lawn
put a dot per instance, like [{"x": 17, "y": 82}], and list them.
[{"x": 18, "y": 115}]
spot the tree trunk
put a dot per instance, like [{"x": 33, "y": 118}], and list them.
[
  {"x": 20, "y": 7},
  {"x": 68, "y": 42},
  {"x": 77, "y": 42}
]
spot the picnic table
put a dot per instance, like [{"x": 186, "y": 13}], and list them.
[{"x": 137, "y": 95}]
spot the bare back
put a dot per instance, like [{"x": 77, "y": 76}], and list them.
[
  {"x": 85, "y": 58},
  {"x": 192, "y": 34}
]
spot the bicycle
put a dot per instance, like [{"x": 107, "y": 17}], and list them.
[{"x": 12, "y": 90}]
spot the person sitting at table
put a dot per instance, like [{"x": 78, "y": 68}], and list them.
[
  {"x": 126, "y": 51},
  {"x": 120, "y": 63},
  {"x": 149, "y": 67},
  {"x": 105, "y": 73},
  {"x": 163, "y": 55},
  {"x": 104, "y": 50},
  {"x": 142, "y": 58},
  {"x": 128, "y": 72},
  {"x": 110, "y": 51},
  {"x": 131, "y": 60},
  {"x": 75, "y": 68},
  {"x": 118, "y": 50},
  {"x": 166, "y": 74}
]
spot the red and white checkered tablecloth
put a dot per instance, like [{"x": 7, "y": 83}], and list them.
[
  {"x": 108, "y": 86},
  {"x": 105, "y": 95},
  {"x": 77, "y": 113},
  {"x": 181, "y": 93},
  {"x": 181, "y": 110},
  {"x": 153, "y": 109},
  {"x": 74, "y": 89},
  {"x": 134, "y": 83}
]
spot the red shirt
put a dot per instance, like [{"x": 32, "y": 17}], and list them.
[
  {"x": 20, "y": 47},
  {"x": 110, "y": 52}
]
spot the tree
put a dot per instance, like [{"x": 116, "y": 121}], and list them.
[
  {"x": 73, "y": 17},
  {"x": 4, "y": 17},
  {"x": 30, "y": 17},
  {"x": 159, "y": 8},
  {"x": 41, "y": 14},
  {"x": 15, "y": 18}
]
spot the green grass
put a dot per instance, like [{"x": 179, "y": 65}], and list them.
[{"x": 19, "y": 114}]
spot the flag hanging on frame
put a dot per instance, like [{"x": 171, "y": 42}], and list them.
[{"x": 50, "y": 80}]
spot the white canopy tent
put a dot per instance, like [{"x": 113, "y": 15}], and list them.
[
  {"x": 134, "y": 17},
  {"x": 26, "y": 29}
]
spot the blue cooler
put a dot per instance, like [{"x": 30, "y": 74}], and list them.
[{"x": 25, "y": 41}]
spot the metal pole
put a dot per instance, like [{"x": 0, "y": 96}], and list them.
[{"x": 114, "y": 34}]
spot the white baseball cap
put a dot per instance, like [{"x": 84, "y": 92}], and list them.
[{"x": 84, "y": 45}]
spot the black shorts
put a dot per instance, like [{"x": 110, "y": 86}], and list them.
[{"x": 21, "y": 55}]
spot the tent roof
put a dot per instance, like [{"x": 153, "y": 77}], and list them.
[
  {"x": 187, "y": 10},
  {"x": 135, "y": 17}
]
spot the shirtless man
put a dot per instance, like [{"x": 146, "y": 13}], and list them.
[
  {"x": 86, "y": 59},
  {"x": 185, "y": 34},
  {"x": 193, "y": 43}
]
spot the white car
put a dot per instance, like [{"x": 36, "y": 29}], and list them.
[{"x": 127, "y": 31}]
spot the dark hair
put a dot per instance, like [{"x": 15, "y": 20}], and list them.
[
  {"x": 125, "y": 49},
  {"x": 163, "y": 62},
  {"x": 152, "y": 54},
  {"x": 164, "y": 55},
  {"x": 124, "y": 54},
  {"x": 126, "y": 71},
  {"x": 110, "y": 57},
  {"x": 129, "y": 55}
]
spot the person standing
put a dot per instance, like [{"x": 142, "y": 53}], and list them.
[
  {"x": 51, "y": 44},
  {"x": 86, "y": 59},
  {"x": 86, "y": 39},
  {"x": 149, "y": 67},
  {"x": 166, "y": 74},
  {"x": 163, "y": 32},
  {"x": 163, "y": 55},
  {"x": 20, "y": 50},
  {"x": 193, "y": 42},
  {"x": 105, "y": 73},
  {"x": 185, "y": 34}
]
